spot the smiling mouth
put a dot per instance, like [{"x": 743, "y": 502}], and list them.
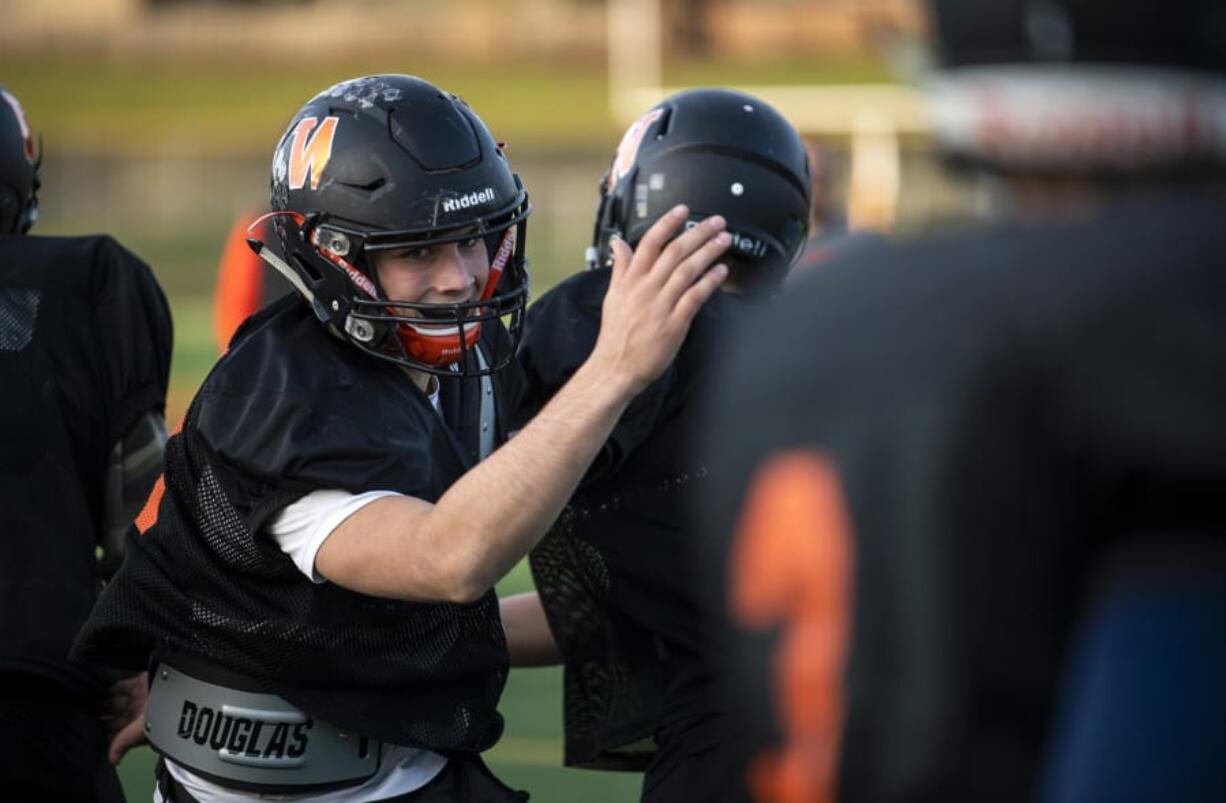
[
  {"x": 425, "y": 317},
  {"x": 436, "y": 314}
]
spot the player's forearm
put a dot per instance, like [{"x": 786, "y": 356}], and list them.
[
  {"x": 529, "y": 639},
  {"x": 496, "y": 513},
  {"x": 456, "y": 549}
]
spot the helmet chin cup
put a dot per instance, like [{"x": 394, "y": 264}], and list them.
[{"x": 439, "y": 346}]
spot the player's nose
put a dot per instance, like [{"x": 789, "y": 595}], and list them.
[{"x": 452, "y": 273}]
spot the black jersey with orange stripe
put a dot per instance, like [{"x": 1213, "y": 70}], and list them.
[{"x": 994, "y": 411}]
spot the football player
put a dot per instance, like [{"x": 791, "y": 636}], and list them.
[
  {"x": 85, "y": 339},
  {"x": 315, "y": 601},
  {"x": 943, "y": 441},
  {"x": 616, "y": 600}
]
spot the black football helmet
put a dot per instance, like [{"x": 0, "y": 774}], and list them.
[
  {"x": 387, "y": 162},
  {"x": 719, "y": 152},
  {"x": 19, "y": 181},
  {"x": 1093, "y": 87}
]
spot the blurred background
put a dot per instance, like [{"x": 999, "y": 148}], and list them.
[{"x": 158, "y": 119}]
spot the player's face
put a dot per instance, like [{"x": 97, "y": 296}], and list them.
[{"x": 450, "y": 273}]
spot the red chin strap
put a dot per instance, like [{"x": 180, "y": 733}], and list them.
[
  {"x": 438, "y": 350},
  {"x": 439, "y": 346}
]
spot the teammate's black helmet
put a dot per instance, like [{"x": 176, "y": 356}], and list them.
[
  {"x": 391, "y": 161},
  {"x": 718, "y": 152},
  {"x": 1082, "y": 86},
  {"x": 19, "y": 180}
]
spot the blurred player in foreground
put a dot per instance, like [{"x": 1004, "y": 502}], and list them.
[
  {"x": 85, "y": 339},
  {"x": 617, "y": 601},
  {"x": 942, "y": 444}
]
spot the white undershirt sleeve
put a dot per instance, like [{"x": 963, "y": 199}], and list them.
[{"x": 300, "y": 529}]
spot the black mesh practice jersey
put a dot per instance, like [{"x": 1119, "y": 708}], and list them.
[
  {"x": 288, "y": 410},
  {"x": 611, "y": 574},
  {"x": 935, "y": 443},
  {"x": 85, "y": 339}
]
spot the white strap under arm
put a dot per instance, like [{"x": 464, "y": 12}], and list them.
[{"x": 300, "y": 529}]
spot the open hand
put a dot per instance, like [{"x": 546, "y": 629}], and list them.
[
  {"x": 654, "y": 293},
  {"x": 123, "y": 715}
]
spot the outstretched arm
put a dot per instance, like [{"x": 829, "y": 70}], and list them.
[{"x": 456, "y": 549}]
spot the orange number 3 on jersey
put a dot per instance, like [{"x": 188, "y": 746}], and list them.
[{"x": 791, "y": 569}]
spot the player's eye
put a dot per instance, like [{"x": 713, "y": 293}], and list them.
[
  {"x": 416, "y": 254},
  {"x": 471, "y": 242}
]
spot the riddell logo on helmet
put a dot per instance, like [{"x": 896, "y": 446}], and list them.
[
  {"x": 741, "y": 243},
  {"x": 470, "y": 200}
]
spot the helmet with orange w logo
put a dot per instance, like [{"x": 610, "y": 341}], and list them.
[
  {"x": 390, "y": 162},
  {"x": 18, "y": 169}
]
